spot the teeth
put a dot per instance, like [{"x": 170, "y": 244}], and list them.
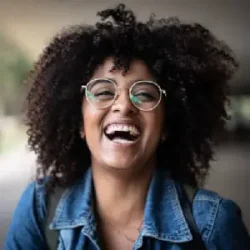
[
  {"x": 122, "y": 141},
  {"x": 111, "y": 129}
]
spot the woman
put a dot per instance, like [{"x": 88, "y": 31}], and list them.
[{"x": 121, "y": 115}]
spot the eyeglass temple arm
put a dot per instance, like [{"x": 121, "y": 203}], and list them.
[
  {"x": 83, "y": 88},
  {"x": 164, "y": 92}
]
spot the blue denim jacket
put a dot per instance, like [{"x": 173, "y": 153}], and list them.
[{"x": 165, "y": 227}]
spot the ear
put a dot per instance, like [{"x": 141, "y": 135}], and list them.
[{"x": 82, "y": 132}]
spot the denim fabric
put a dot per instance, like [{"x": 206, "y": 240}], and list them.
[{"x": 219, "y": 220}]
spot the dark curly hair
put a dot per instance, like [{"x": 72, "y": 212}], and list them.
[{"x": 186, "y": 59}]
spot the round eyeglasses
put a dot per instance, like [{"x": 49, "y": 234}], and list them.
[{"x": 102, "y": 93}]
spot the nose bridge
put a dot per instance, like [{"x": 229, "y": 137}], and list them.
[{"x": 122, "y": 101}]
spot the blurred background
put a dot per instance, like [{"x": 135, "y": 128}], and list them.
[{"x": 26, "y": 27}]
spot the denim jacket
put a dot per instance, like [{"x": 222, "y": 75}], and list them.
[{"x": 165, "y": 228}]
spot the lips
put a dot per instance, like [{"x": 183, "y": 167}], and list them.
[{"x": 122, "y": 132}]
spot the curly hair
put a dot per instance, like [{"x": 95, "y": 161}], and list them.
[{"x": 186, "y": 59}]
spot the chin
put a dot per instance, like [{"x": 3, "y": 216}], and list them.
[{"x": 121, "y": 164}]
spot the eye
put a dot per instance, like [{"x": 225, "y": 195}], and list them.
[
  {"x": 144, "y": 96},
  {"x": 145, "y": 92},
  {"x": 104, "y": 93}
]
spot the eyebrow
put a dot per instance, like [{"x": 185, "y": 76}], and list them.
[{"x": 131, "y": 82}]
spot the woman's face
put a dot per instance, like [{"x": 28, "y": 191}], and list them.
[{"x": 109, "y": 147}]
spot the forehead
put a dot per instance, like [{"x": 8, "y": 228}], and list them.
[{"x": 137, "y": 70}]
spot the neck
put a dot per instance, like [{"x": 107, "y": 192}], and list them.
[{"x": 121, "y": 196}]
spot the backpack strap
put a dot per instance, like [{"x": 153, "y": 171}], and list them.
[
  {"x": 53, "y": 198},
  {"x": 186, "y": 195}
]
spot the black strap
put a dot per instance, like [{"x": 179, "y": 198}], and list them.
[
  {"x": 186, "y": 195},
  {"x": 53, "y": 199}
]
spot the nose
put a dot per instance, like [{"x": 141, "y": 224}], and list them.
[{"x": 123, "y": 103}]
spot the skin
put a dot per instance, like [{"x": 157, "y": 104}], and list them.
[{"x": 121, "y": 173}]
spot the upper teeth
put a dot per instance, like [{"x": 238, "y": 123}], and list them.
[{"x": 120, "y": 127}]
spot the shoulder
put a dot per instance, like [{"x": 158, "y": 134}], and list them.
[
  {"x": 33, "y": 194},
  {"x": 219, "y": 220},
  {"x": 28, "y": 217},
  {"x": 210, "y": 202},
  {"x": 206, "y": 205},
  {"x": 33, "y": 200},
  {"x": 211, "y": 209}
]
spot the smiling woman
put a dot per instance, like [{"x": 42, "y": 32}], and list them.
[
  {"x": 122, "y": 116},
  {"x": 122, "y": 129}
]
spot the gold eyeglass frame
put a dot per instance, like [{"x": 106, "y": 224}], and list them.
[{"x": 162, "y": 92}]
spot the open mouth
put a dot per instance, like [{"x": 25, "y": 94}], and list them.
[{"x": 122, "y": 133}]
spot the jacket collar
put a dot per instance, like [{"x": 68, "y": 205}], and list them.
[{"x": 163, "y": 217}]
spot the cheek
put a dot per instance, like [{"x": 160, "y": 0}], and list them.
[
  {"x": 151, "y": 131},
  {"x": 154, "y": 126},
  {"x": 87, "y": 115},
  {"x": 92, "y": 119},
  {"x": 157, "y": 120}
]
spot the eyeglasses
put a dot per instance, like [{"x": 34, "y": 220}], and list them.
[{"x": 102, "y": 93}]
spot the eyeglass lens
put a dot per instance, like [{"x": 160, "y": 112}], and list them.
[{"x": 102, "y": 92}]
